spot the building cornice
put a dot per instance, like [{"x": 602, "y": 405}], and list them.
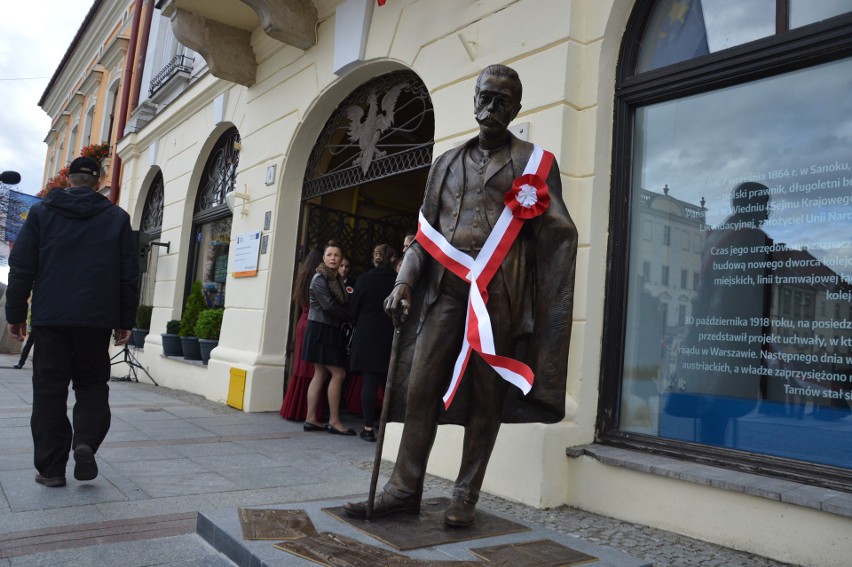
[{"x": 71, "y": 48}]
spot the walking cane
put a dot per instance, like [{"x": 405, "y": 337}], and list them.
[{"x": 383, "y": 419}]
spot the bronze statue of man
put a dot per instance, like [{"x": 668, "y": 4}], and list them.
[{"x": 494, "y": 189}]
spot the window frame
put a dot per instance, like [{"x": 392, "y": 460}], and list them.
[
  {"x": 219, "y": 210},
  {"x": 786, "y": 51},
  {"x": 151, "y": 228}
]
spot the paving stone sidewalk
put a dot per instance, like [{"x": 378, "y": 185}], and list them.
[{"x": 170, "y": 455}]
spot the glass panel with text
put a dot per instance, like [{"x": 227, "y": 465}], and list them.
[{"x": 750, "y": 347}]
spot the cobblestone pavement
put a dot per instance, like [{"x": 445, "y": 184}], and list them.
[
  {"x": 665, "y": 549},
  {"x": 171, "y": 454}
]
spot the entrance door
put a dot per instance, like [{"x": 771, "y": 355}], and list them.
[
  {"x": 365, "y": 179},
  {"x": 366, "y": 175}
]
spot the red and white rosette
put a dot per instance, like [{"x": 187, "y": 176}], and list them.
[{"x": 527, "y": 199}]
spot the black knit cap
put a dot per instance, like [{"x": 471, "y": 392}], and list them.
[{"x": 85, "y": 165}]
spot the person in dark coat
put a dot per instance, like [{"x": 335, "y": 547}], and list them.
[
  {"x": 77, "y": 255},
  {"x": 529, "y": 302},
  {"x": 371, "y": 342}
]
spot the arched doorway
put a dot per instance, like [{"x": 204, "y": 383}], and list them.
[
  {"x": 365, "y": 177},
  {"x": 366, "y": 174}
]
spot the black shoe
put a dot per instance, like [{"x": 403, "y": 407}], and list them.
[
  {"x": 51, "y": 481},
  {"x": 18, "y": 366},
  {"x": 308, "y": 426},
  {"x": 383, "y": 505},
  {"x": 86, "y": 468},
  {"x": 460, "y": 514},
  {"x": 332, "y": 429},
  {"x": 368, "y": 435}
]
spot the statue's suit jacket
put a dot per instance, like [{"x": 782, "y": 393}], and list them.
[{"x": 538, "y": 273}]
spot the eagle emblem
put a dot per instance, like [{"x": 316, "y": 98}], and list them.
[{"x": 366, "y": 128}]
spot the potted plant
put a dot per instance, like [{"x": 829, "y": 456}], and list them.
[
  {"x": 171, "y": 339},
  {"x": 143, "y": 324},
  {"x": 207, "y": 329},
  {"x": 195, "y": 304}
]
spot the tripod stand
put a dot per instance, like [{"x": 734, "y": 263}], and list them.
[{"x": 132, "y": 364}]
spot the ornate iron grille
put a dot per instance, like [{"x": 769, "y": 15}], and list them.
[
  {"x": 179, "y": 63},
  {"x": 152, "y": 212},
  {"x": 385, "y": 127},
  {"x": 356, "y": 234},
  {"x": 220, "y": 174},
  {"x": 408, "y": 160}
]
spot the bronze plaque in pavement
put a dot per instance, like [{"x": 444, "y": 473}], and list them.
[
  {"x": 541, "y": 553},
  {"x": 408, "y": 562},
  {"x": 410, "y": 531},
  {"x": 336, "y": 550},
  {"x": 275, "y": 524}
]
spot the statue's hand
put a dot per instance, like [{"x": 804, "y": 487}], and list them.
[{"x": 398, "y": 303}]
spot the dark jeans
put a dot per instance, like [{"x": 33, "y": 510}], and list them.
[
  {"x": 79, "y": 356},
  {"x": 26, "y": 350}
]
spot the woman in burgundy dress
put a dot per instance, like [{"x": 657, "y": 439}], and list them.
[{"x": 295, "y": 406}]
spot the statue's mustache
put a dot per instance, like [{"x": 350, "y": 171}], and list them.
[{"x": 484, "y": 115}]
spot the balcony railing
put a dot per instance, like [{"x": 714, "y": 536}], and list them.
[{"x": 179, "y": 64}]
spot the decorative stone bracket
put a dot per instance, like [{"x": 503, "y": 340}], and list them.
[
  {"x": 227, "y": 49},
  {"x": 293, "y": 22}
]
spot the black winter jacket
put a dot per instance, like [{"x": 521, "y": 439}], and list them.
[
  {"x": 77, "y": 254},
  {"x": 325, "y": 307},
  {"x": 373, "y": 334}
]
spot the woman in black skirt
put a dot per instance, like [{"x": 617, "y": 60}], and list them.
[{"x": 323, "y": 344}]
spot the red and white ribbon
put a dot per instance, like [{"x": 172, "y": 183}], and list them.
[{"x": 527, "y": 199}]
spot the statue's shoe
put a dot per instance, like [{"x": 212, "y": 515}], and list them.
[
  {"x": 460, "y": 514},
  {"x": 383, "y": 505}
]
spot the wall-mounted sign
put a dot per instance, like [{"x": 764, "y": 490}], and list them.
[{"x": 246, "y": 254}]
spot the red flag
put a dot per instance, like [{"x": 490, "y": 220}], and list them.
[{"x": 381, "y": 2}]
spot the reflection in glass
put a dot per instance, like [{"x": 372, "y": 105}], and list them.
[
  {"x": 675, "y": 33},
  {"x": 804, "y": 12},
  {"x": 753, "y": 351},
  {"x": 680, "y": 30},
  {"x": 212, "y": 269},
  {"x": 212, "y": 219}
]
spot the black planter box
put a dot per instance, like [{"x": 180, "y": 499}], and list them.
[
  {"x": 207, "y": 345},
  {"x": 138, "y": 337},
  {"x": 191, "y": 350},
  {"x": 172, "y": 345}
]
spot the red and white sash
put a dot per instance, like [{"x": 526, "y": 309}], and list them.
[{"x": 527, "y": 199}]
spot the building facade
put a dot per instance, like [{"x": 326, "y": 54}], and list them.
[
  {"x": 85, "y": 96},
  {"x": 704, "y": 157}
]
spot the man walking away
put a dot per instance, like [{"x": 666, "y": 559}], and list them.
[{"x": 76, "y": 255}]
